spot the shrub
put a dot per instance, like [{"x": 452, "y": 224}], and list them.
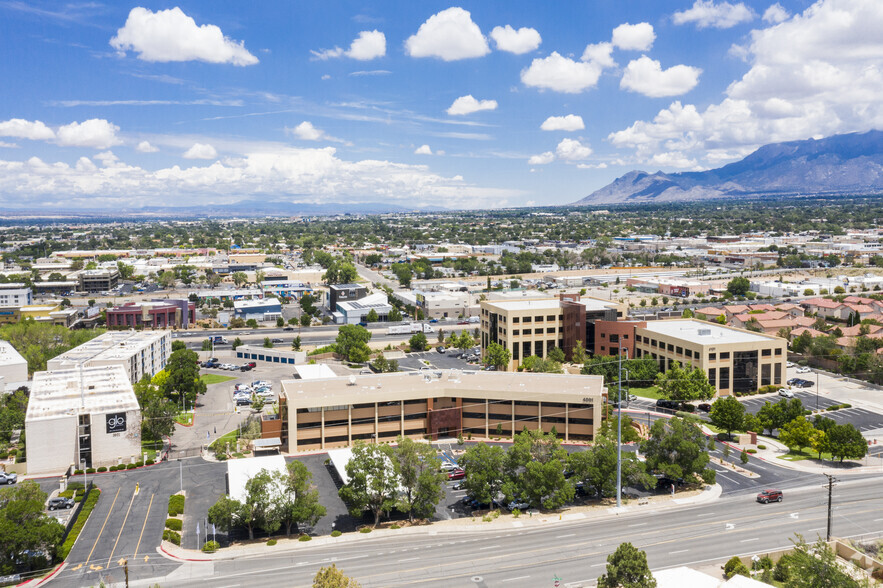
[
  {"x": 174, "y": 524},
  {"x": 271, "y": 542},
  {"x": 782, "y": 571},
  {"x": 90, "y": 470},
  {"x": 85, "y": 511},
  {"x": 336, "y": 533},
  {"x": 151, "y": 462},
  {"x": 13, "y": 452},
  {"x": 102, "y": 469},
  {"x": 78, "y": 472},
  {"x": 365, "y": 530},
  {"x": 131, "y": 466},
  {"x": 752, "y": 451},
  {"x": 394, "y": 526},
  {"x": 139, "y": 464},
  {"x": 176, "y": 505},
  {"x": 845, "y": 405},
  {"x": 761, "y": 446},
  {"x": 764, "y": 563},
  {"x": 833, "y": 407},
  {"x": 171, "y": 536},
  {"x": 212, "y": 546},
  {"x": 516, "y": 513},
  {"x": 735, "y": 567},
  {"x": 304, "y": 537}
]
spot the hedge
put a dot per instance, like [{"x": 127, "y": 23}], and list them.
[
  {"x": 761, "y": 446},
  {"x": 271, "y": 542},
  {"x": 90, "y": 470},
  {"x": 752, "y": 451},
  {"x": 174, "y": 524},
  {"x": 336, "y": 533},
  {"x": 212, "y": 546},
  {"x": 304, "y": 538},
  {"x": 149, "y": 462},
  {"x": 85, "y": 511},
  {"x": 171, "y": 536},
  {"x": 131, "y": 466},
  {"x": 176, "y": 505},
  {"x": 78, "y": 472},
  {"x": 102, "y": 469}
]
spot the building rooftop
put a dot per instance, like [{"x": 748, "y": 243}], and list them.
[
  {"x": 111, "y": 345},
  {"x": 9, "y": 356},
  {"x": 315, "y": 371},
  {"x": 703, "y": 332},
  {"x": 535, "y": 304},
  {"x": 344, "y": 286},
  {"x": 440, "y": 383},
  {"x": 92, "y": 390},
  {"x": 258, "y": 303}
]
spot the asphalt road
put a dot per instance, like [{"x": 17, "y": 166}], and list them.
[{"x": 573, "y": 550}]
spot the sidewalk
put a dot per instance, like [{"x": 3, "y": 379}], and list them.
[{"x": 464, "y": 525}]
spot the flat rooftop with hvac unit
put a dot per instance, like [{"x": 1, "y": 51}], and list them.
[
  {"x": 141, "y": 353},
  {"x": 337, "y": 412},
  {"x": 735, "y": 360}
]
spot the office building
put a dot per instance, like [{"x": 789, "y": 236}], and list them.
[
  {"x": 260, "y": 309},
  {"x": 98, "y": 280},
  {"x": 535, "y": 326},
  {"x": 15, "y": 295},
  {"x": 13, "y": 367},
  {"x": 344, "y": 293},
  {"x": 139, "y": 353},
  {"x": 352, "y": 312},
  {"x": 85, "y": 417},
  {"x": 337, "y": 412},
  {"x": 735, "y": 360},
  {"x": 159, "y": 314}
]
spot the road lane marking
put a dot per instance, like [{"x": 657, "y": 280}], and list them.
[
  {"x": 144, "y": 525},
  {"x": 747, "y": 540},
  {"x": 489, "y": 547},
  {"x": 105, "y": 523},
  {"x": 603, "y": 563},
  {"x": 679, "y": 551},
  {"x": 514, "y": 579},
  {"x": 705, "y": 514},
  {"x": 123, "y": 526},
  {"x": 818, "y": 529},
  {"x": 408, "y": 559},
  {"x": 568, "y": 535},
  {"x": 638, "y": 525}
]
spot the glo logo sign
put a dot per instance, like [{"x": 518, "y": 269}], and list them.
[{"x": 116, "y": 422}]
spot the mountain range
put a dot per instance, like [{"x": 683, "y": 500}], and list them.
[{"x": 841, "y": 164}]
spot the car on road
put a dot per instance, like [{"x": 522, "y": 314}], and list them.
[
  {"x": 276, "y": 340},
  {"x": 632, "y": 397},
  {"x": 704, "y": 407},
  {"x": 8, "y": 478},
  {"x": 769, "y": 495},
  {"x": 786, "y": 393},
  {"x": 669, "y": 404},
  {"x": 804, "y": 370},
  {"x": 288, "y": 328},
  {"x": 60, "y": 502},
  {"x": 457, "y": 474}
]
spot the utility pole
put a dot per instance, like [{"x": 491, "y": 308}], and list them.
[
  {"x": 831, "y": 481},
  {"x": 619, "y": 430},
  {"x": 126, "y": 568}
]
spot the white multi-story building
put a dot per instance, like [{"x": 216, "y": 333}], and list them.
[
  {"x": 14, "y": 294},
  {"x": 140, "y": 353},
  {"x": 13, "y": 367},
  {"x": 86, "y": 417}
]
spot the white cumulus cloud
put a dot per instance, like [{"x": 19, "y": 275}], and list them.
[
  {"x": 26, "y": 129},
  {"x": 542, "y": 158},
  {"x": 423, "y": 150},
  {"x": 307, "y": 131},
  {"x": 634, "y": 37},
  {"x": 146, "y": 147},
  {"x": 707, "y": 14},
  {"x": 201, "y": 151},
  {"x": 171, "y": 35},
  {"x": 599, "y": 53},
  {"x": 523, "y": 40},
  {"x": 367, "y": 46},
  {"x": 449, "y": 35},
  {"x": 570, "y": 122},
  {"x": 96, "y": 132},
  {"x": 572, "y": 150},
  {"x": 646, "y": 76},
  {"x": 561, "y": 74},
  {"x": 467, "y": 105},
  {"x": 775, "y": 14}
]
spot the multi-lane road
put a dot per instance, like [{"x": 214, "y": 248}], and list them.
[{"x": 507, "y": 554}]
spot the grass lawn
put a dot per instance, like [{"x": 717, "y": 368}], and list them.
[
  {"x": 652, "y": 392},
  {"x": 184, "y": 418},
  {"x": 801, "y": 454},
  {"x": 221, "y": 441},
  {"x": 210, "y": 379}
]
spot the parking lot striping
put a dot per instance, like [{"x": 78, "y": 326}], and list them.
[
  {"x": 123, "y": 526},
  {"x": 149, "y": 504},
  {"x": 102, "y": 526},
  {"x": 514, "y": 579}
]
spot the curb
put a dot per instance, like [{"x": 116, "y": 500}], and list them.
[
  {"x": 177, "y": 558},
  {"x": 45, "y": 578}
]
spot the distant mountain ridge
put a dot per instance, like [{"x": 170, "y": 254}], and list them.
[{"x": 850, "y": 163}]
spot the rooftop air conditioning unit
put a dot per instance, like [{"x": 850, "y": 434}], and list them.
[{"x": 704, "y": 332}]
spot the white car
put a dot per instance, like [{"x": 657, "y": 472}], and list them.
[
  {"x": 260, "y": 383},
  {"x": 786, "y": 393},
  {"x": 804, "y": 370},
  {"x": 447, "y": 466},
  {"x": 790, "y": 364},
  {"x": 265, "y": 393}
]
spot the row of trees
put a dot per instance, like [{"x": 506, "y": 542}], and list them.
[{"x": 272, "y": 500}]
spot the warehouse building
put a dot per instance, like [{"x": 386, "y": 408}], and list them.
[
  {"x": 85, "y": 417},
  {"x": 735, "y": 360},
  {"x": 261, "y": 309},
  {"x": 337, "y": 412},
  {"x": 139, "y": 353}
]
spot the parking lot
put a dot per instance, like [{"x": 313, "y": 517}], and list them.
[
  {"x": 864, "y": 419},
  {"x": 444, "y": 361}
]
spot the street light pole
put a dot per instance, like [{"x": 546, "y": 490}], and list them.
[{"x": 619, "y": 430}]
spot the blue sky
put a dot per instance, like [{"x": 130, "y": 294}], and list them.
[{"x": 468, "y": 105}]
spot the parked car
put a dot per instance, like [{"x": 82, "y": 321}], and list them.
[
  {"x": 251, "y": 364},
  {"x": 245, "y": 367},
  {"x": 804, "y": 370},
  {"x": 243, "y": 401},
  {"x": 440, "y": 349},
  {"x": 704, "y": 407},
  {"x": 60, "y": 503},
  {"x": 258, "y": 383},
  {"x": 210, "y": 363},
  {"x": 669, "y": 404},
  {"x": 770, "y": 495},
  {"x": 786, "y": 393},
  {"x": 519, "y": 504},
  {"x": 447, "y": 466},
  {"x": 790, "y": 364},
  {"x": 8, "y": 478},
  {"x": 457, "y": 474}
]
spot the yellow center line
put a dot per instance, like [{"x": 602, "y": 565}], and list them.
[
  {"x": 144, "y": 525},
  {"x": 123, "y": 526},
  {"x": 105, "y": 523}
]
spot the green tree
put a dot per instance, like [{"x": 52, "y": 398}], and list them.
[
  {"x": 738, "y": 286},
  {"x": 206, "y": 345},
  {"x": 239, "y": 278},
  {"x": 157, "y": 411},
  {"x": 280, "y": 322},
  {"x": 797, "y": 433},
  {"x": 236, "y": 343},
  {"x": 331, "y": 577},
  {"x": 420, "y": 478},
  {"x": 596, "y": 468},
  {"x": 464, "y": 341},
  {"x": 352, "y": 343},
  {"x": 26, "y": 529},
  {"x": 815, "y": 566},
  {"x": 484, "y": 466},
  {"x": 418, "y": 342},
  {"x": 268, "y": 343},
  {"x": 676, "y": 448},
  {"x": 627, "y": 568},
  {"x": 394, "y": 316},
  {"x": 183, "y": 375},
  {"x": 176, "y": 345},
  {"x": 305, "y": 320},
  {"x": 578, "y": 355},
  {"x": 684, "y": 384},
  {"x": 296, "y": 343},
  {"x": 534, "y": 470},
  {"x": 298, "y": 503},
  {"x": 727, "y": 413},
  {"x": 251, "y": 323},
  {"x": 307, "y": 304},
  {"x": 846, "y": 442},
  {"x": 556, "y": 355},
  {"x": 497, "y": 356},
  {"x": 629, "y": 432},
  {"x": 372, "y": 317},
  {"x": 373, "y": 481}
]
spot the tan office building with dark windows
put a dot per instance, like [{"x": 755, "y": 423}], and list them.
[
  {"x": 735, "y": 360},
  {"x": 337, "y": 412}
]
